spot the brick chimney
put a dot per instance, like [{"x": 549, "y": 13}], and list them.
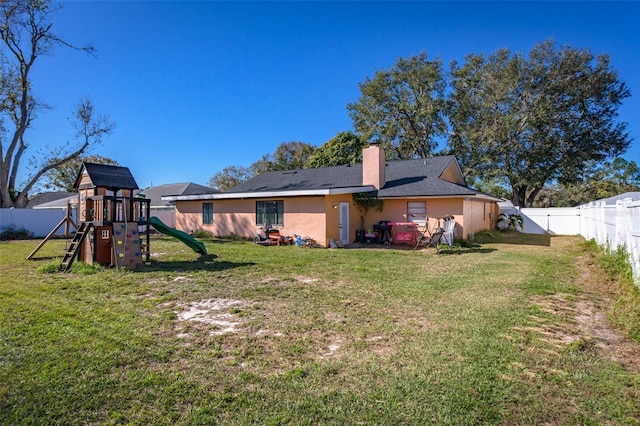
[{"x": 373, "y": 166}]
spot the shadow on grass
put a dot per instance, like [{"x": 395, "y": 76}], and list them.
[
  {"x": 203, "y": 263},
  {"x": 513, "y": 237},
  {"x": 456, "y": 251}
]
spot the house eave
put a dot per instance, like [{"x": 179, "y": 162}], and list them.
[
  {"x": 269, "y": 194},
  {"x": 447, "y": 196}
]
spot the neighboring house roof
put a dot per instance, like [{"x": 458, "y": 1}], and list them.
[
  {"x": 405, "y": 178},
  {"x": 635, "y": 196},
  {"x": 107, "y": 176},
  {"x": 59, "y": 204},
  {"x": 155, "y": 193},
  {"x": 50, "y": 197}
]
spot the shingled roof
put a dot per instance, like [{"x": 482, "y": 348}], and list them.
[
  {"x": 404, "y": 178},
  {"x": 106, "y": 176},
  {"x": 156, "y": 193}
]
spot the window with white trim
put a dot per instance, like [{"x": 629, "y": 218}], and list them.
[
  {"x": 417, "y": 212},
  {"x": 207, "y": 213},
  {"x": 271, "y": 212}
]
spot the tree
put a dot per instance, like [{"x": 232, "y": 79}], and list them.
[
  {"x": 288, "y": 156},
  {"x": 26, "y": 33},
  {"x": 63, "y": 177},
  {"x": 229, "y": 177},
  {"x": 343, "y": 148},
  {"x": 536, "y": 120},
  {"x": 607, "y": 180},
  {"x": 403, "y": 109}
]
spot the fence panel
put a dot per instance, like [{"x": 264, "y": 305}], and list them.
[
  {"x": 41, "y": 221},
  {"x": 38, "y": 222},
  {"x": 614, "y": 226},
  {"x": 609, "y": 225},
  {"x": 553, "y": 220}
]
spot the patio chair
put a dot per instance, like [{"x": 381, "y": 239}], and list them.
[{"x": 448, "y": 231}]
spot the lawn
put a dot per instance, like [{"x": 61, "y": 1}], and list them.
[{"x": 518, "y": 331}]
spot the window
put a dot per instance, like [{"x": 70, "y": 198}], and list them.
[
  {"x": 270, "y": 212},
  {"x": 417, "y": 211},
  {"x": 207, "y": 213}
]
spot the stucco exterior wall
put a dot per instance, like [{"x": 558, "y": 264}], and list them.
[
  {"x": 480, "y": 215},
  {"x": 318, "y": 217},
  {"x": 304, "y": 216},
  {"x": 450, "y": 176},
  {"x": 396, "y": 211}
]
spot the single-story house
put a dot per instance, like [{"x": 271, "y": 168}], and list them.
[
  {"x": 319, "y": 203},
  {"x": 165, "y": 209},
  {"x": 51, "y": 200}
]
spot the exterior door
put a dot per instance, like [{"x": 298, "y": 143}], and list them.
[{"x": 344, "y": 222}]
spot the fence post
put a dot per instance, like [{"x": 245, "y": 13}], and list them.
[{"x": 632, "y": 221}]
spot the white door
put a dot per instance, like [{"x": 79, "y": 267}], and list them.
[{"x": 344, "y": 222}]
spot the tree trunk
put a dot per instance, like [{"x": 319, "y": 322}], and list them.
[{"x": 519, "y": 196}]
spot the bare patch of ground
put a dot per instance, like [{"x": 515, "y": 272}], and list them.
[
  {"x": 215, "y": 312},
  {"x": 587, "y": 316}
]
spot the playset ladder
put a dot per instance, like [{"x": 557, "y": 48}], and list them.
[{"x": 74, "y": 247}]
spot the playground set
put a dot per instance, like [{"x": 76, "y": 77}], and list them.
[{"x": 113, "y": 225}]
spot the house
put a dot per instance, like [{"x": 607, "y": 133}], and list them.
[
  {"x": 319, "y": 203},
  {"x": 165, "y": 209},
  {"x": 51, "y": 200},
  {"x": 160, "y": 208}
]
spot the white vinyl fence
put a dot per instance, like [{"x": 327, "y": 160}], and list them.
[
  {"x": 39, "y": 222},
  {"x": 610, "y": 225},
  {"x": 614, "y": 226},
  {"x": 553, "y": 220}
]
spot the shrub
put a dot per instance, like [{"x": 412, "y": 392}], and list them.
[
  {"x": 14, "y": 233},
  {"x": 512, "y": 221},
  {"x": 201, "y": 233},
  {"x": 627, "y": 306}
]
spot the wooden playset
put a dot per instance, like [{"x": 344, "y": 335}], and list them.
[{"x": 113, "y": 225}]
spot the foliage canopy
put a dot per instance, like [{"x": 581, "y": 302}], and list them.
[
  {"x": 26, "y": 32},
  {"x": 343, "y": 148},
  {"x": 537, "y": 119},
  {"x": 403, "y": 109}
]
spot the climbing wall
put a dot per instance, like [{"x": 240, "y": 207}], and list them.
[{"x": 126, "y": 245}]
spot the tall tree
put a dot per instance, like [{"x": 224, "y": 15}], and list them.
[
  {"x": 63, "y": 177},
  {"x": 343, "y": 148},
  {"x": 288, "y": 156},
  {"x": 536, "y": 120},
  {"x": 229, "y": 177},
  {"x": 26, "y": 32},
  {"x": 605, "y": 180},
  {"x": 403, "y": 108}
]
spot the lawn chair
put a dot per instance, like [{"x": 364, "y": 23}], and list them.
[{"x": 448, "y": 231}]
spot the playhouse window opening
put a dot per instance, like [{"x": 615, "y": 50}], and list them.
[
  {"x": 207, "y": 213},
  {"x": 270, "y": 212}
]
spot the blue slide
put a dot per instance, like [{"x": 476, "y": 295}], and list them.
[{"x": 194, "y": 245}]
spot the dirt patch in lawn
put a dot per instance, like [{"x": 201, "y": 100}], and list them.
[
  {"x": 587, "y": 317},
  {"x": 218, "y": 313}
]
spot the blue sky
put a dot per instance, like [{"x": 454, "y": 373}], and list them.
[{"x": 194, "y": 87}]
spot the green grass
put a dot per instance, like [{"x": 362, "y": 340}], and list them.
[{"x": 374, "y": 336}]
